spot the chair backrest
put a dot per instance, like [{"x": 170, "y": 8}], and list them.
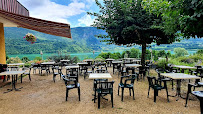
[
  {"x": 105, "y": 87},
  {"x": 68, "y": 81},
  {"x": 101, "y": 71},
  {"x": 129, "y": 79},
  {"x": 43, "y": 66},
  {"x": 151, "y": 80}
]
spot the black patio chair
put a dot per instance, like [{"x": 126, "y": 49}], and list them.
[
  {"x": 71, "y": 84},
  {"x": 104, "y": 88},
  {"x": 44, "y": 67},
  {"x": 27, "y": 72},
  {"x": 190, "y": 85},
  {"x": 122, "y": 71},
  {"x": 160, "y": 77},
  {"x": 127, "y": 82},
  {"x": 153, "y": 83},
  {"x": 56, "y": 73}
]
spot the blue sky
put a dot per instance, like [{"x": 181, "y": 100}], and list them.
[{"x": 73, "y": 12}]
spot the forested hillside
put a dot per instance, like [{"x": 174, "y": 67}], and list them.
[{"x": 83, "y": 40}]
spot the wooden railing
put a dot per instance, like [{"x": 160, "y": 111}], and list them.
[{"x": 13, "y": 6}]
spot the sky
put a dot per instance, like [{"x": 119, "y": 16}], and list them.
[{"x": 73, "y": 12}]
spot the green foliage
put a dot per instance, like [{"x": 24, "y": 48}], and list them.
[
  {"x": 105, "y": 55},
  {"x": 180, "y": 52},
  {"x": 191, "y": 60},
  {"x": 38, "y": 58},
  {"x": 13, "y": 60},
  {"x": 7, "y": 57},
  {"x": 179, "y": 15},
  {"x": 115, "y": 55},
  {"x": 134, "y": 53},
  {"x": 161, "y": 53},
  {"x": 128, "y": 23},
  {"x": 25, "y": 59},
  {"x": 200, "y": 51},
  {"x": 162, "y": 63},
  {"x": 27, "y": 65}
]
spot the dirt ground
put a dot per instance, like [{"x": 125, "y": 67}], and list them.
[{"x": 42, "y": 95}]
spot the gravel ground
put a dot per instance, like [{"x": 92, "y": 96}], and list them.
[{"x": 42, "y": 95}]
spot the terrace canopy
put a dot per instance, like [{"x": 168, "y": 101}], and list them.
[{"x": 14, "y": 14}]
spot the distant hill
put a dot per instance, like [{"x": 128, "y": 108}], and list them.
[{"x": 83, "y": 40}]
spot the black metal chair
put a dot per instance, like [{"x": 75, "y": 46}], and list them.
[
  {"x": 104, "y": 88},
  {"x": 56, "y": 73},
  {"x": 127, "y": 82},
  {"x": 35, "y": 67},
  {"x": 44, "y": 67},
  {"x": 160, "y": 78},
  {"x": 27, "y": 72},
  {"x": 142, "y": 72},
  {"x": 153, "y": 83},
  {"x": 71, "y": 84},
  {"x": 190, "y": 85}
]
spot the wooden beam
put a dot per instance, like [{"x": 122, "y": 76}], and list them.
[{"x": 2, "y": 45}]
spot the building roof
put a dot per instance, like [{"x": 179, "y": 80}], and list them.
[{"x": 49, "y": 27}]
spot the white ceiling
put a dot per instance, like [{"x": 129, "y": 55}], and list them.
[{"x": 7, "y": 23}]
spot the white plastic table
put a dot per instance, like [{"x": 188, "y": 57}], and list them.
[
  {"x": 13, "y": 74},
  {"x": 133, "y": 65},
  {"x": 178, "y": 77},
  {"x": 100, "y": 76}
]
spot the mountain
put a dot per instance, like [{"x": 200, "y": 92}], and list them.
[{"x": 83, "y": 40}]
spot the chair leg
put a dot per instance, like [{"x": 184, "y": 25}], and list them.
[
  {"x": 130, "y": 91},
  {"x": 66, "y": 94},
  {"x": 98, "y": 101},
  {"x": 186, "y": 99},
  {"x": 148, "y": 92},
  {"x": 122, "y": 94},
  {"x": 21, "y": 78},
  {"x": 155, "y": 94},
  {"x": 79, "y": 93},
  {"x": 29, "y": 77},
  {"x": 112, "y": 99},
  {"x": 172, "y": 84},
  {"x": 54, "y": 77},
  {"x": 118, "y": 90},
  {"x": 133, "y": 94},
  {"x": 167, "y": 94}
]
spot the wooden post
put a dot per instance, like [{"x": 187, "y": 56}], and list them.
[{"x": 2, "y": 45}]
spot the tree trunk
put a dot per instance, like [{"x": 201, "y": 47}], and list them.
[{"x": 143, "y": 54}]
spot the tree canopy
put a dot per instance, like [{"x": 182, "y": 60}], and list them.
[
  {"x": 185, "y": 16},
  {"x": 128, "y": 23}
]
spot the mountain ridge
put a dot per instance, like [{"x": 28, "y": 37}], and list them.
[{"x": 83, "y": 40}]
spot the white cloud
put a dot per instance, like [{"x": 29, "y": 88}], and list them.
[
  {"x": 45, "y": 9},
  {"x": 86, "y": 20}
]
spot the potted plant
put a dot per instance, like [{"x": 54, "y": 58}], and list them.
[{"x": 30, "y": 38}]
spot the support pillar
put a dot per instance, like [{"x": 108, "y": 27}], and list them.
[{"x": 2, "y": 45}]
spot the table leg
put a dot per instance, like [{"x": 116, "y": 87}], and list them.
[
  {"x": 113, "y": 68},
  {"x": 13, "y": 84},
  {"x": 201, "y": 105}
]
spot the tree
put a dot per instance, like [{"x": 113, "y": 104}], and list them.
[
  {"x": 185, "y": 16},
  {"x": 128, "y": 23},
  {"x": 200, "y": 52},
  {"x": 25, "y": 59},
  {"x": 180, "y": 52}
]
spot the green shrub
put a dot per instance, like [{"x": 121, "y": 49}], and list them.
[
  {"x": 25, "y": 59},
  {"x": 38, "y": 58},
  {"x": 162, "y": 63},
  {"x": 180, "y": 52},
  {"x": 200, "y": 52},
  {"x": 13, "y": 60}
]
